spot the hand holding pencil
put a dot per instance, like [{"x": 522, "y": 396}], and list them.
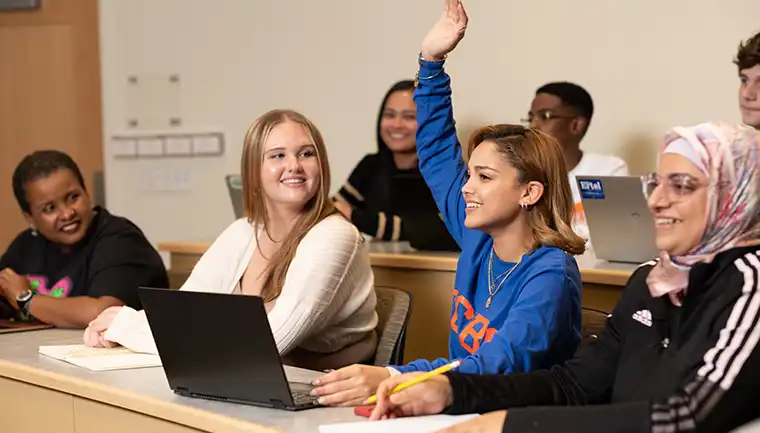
[{"x": 413, "y": 394}]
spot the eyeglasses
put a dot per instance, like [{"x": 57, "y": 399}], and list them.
[
  {"x": 542, "y": 116},
  {"x": 677, "y": 186}
]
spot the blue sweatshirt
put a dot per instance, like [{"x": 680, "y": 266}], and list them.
[{"x": 534, "y": 320}]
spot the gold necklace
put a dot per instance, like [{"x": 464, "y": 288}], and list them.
[{"x": 491, "y": 290}]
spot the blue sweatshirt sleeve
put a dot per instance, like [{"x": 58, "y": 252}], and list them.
[
  {"x": 542, "y": 314},
  {"x": 438, "y": 149}
]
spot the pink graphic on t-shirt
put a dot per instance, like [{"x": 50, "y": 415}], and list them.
[{"x": 61, "y": 289}]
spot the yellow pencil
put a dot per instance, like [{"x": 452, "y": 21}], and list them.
[{"x": 418, "y": 379}]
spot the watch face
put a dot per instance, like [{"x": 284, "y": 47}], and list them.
[{"x": 24, "y": 296}]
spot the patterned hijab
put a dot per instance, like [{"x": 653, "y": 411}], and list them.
[{"x": 728, "y": 155}]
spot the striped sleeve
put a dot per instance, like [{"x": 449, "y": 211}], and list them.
[
  {"x": 721, "y": 395},
  {"x": 354, "y": 190},
  {"x": 380, "y": 225},
  {"x": 726, "y": 385}
]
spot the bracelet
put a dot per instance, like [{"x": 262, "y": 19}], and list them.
[{"x": 417, "y": 75}]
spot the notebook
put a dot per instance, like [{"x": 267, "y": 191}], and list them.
[
  {"x": 100, "y": 358},
  {"x": 418, "y": 424}
]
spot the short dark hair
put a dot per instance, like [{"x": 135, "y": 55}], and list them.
[
  {"x": 571, "y": 95},
  {"x": 749, "y": 53},
  {"x": 38, "y": 165}
]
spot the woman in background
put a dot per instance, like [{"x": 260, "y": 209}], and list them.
[
  {"x": 308, "y": 264},
  {"x": 386, "y": 196}
]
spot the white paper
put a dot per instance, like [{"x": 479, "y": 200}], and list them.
[
  {"x": 419, "y": 424},
  {"x": 101, "y": 359}
]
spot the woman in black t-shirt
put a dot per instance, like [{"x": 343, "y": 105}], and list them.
[{"x": 76, "y": 259}]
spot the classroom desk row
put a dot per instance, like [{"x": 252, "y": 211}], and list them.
[
  {"x": 41, "y": 394},
  {"x": 429, "y": 277}
]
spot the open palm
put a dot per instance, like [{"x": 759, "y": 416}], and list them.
[{"x": 446, "y": 33}]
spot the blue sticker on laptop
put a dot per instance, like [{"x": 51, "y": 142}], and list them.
[{"x": 591, "y": 188}]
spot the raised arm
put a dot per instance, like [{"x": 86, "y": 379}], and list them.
[{"x": 440, "y": 155}]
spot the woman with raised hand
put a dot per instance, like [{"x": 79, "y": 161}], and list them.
[
  {"x": 308, "y": 264},
  {"x": 516, "y": 302}
]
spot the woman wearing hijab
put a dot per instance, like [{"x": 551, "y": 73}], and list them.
[{"x": 680, "y": 350}]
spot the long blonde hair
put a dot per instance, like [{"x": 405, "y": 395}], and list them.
[
  {"x": 254, "y": 203},
  {"x": 538, "y": 157}
]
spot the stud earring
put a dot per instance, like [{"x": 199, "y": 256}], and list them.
[
  {"x": 34, "y": 230},
  {"x": 523, "y": 205}
]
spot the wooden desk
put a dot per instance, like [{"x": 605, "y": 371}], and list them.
[
  {"x": 41, "y": 394},
  {"x": 429, "y": 277}
]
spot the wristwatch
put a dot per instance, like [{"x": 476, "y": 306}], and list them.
[{"x": 24, "y": 299}]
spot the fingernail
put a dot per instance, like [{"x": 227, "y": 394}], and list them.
[
  {"x": 315, "y": 382},
  {"x": 313, "y": 392},
  {"x": 321, "y": 400},
  {"x": 328, "y": 370}
]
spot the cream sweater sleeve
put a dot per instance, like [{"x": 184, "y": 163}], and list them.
[
  {"x": 214, "y": 272},
  {"x": 316, "y": 286}
]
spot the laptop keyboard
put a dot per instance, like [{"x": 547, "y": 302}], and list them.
[
  {"x": 303, "y": 398},
  {"x": 300, "y": 393}
]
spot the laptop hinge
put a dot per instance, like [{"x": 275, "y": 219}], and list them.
[{"x": 278, "y": 404}]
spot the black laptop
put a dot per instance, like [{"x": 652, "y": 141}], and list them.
[{"x": 220, "y": 347}]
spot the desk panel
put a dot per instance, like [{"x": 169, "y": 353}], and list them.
[
  {"x": 92, "y": 417},
  {"x": 26, "y": 408}
]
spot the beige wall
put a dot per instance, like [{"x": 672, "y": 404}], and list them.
[{"x": 648, "y": 64}]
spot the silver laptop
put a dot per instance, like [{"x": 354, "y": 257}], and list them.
[
  {"x": 620, "y": 225},
  {"x": 235, "y": 188}
]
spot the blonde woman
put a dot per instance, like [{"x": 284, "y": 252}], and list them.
[{"x": 293, "y": 249}]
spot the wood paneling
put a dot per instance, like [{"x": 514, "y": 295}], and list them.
[{"x": 49, "y": 93}]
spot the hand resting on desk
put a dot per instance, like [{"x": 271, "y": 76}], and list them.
[{"x": 94, "y": 335}]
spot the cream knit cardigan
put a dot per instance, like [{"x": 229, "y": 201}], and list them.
[{"x": 327, "y": 302}]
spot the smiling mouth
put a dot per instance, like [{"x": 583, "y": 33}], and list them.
[
  {"x": 398, "y": 136},
  {"x": 71, "y": 227},
  {"x": 470, "y": 206},
  {"x": 666, "y": 222},
  {"x": 293, "y": 182}
]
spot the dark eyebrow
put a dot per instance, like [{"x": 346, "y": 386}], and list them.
[
  {"x": 401, "y": 110},
  {"x": 485, "y": 167}
]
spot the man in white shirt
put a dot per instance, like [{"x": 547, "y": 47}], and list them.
[
  {"x": 748, "y": 62},
  {"x": 564, "y": 111}
]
